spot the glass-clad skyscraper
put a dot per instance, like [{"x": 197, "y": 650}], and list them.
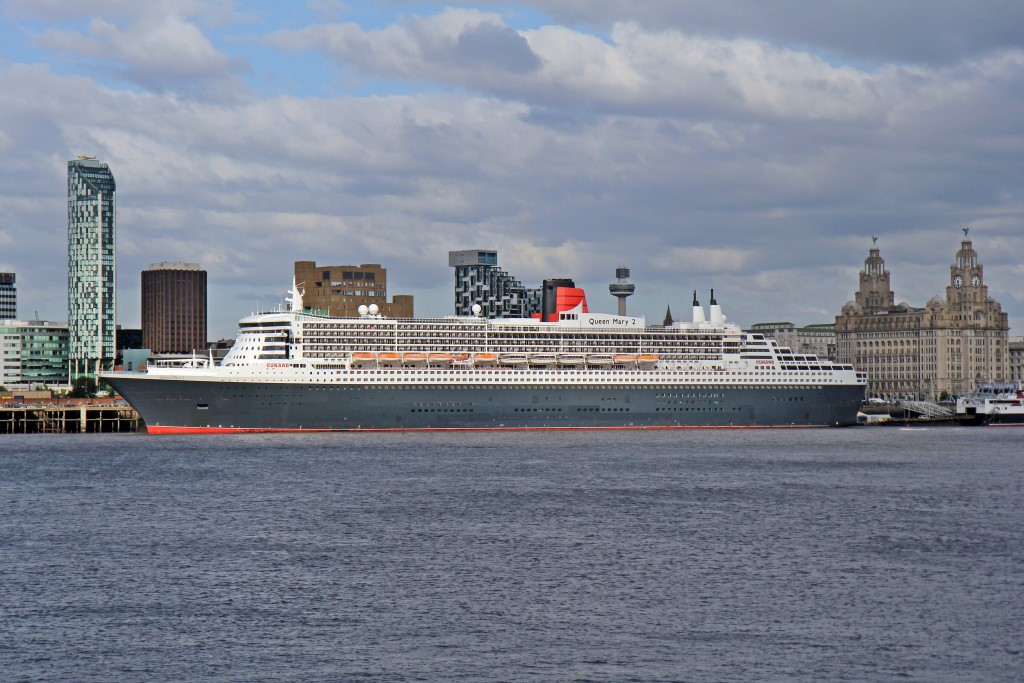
[{"x": 91, "y": 266}]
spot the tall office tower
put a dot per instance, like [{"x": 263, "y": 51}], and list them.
[
  {"x": 621, "y": 289},
  {"x": 91, "y": 266},
  {"x": 479, "y": 280},
  {"x": 174, "y": 308},
  {"x": 8, "y": 297},
  {"x": 341, "y": 290}
]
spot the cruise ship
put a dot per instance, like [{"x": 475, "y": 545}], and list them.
[{"x": 295, "y": 370}]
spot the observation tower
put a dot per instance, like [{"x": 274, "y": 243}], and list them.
[{"x": 622, "y": 289}]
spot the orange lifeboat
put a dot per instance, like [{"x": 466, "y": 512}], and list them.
[
  {"x": 414, "y": 358},
  {"x": 625, "y": 358},
  {"x": 485, "y": 358},
  {"x": 389, "y": 357},
  {"x": 439, "y": 358},
  {"x": 647, "y": 358},
  {"x": 364, "y": 357}
]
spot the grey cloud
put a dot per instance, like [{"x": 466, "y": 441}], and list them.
[
  {"x": 938, "y": 32},
  {"x": 495, "y": 46},
  {"x": 466, "y": 48}
]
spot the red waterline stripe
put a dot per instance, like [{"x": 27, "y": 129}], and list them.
[{"x": 163, "y": 429}]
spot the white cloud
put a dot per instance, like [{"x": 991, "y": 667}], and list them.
[
  {"x": 696, "y": 161},
  {"x": 638, "y": 71},
  {"x": 152, "y": 45}
]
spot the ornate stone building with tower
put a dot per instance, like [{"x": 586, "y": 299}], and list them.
[{"x": 944, "y": 349}]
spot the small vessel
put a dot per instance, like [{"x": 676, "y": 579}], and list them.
[
  {"x": 414, "y": 358},
  {"x": 995, "y": 404},
  {"x": 572, "y": 359},
  {"x": 513, "y": 359},
  {"x": 362, "y": 357},
  {"x": 389, "y": 357},
  {"x": 543, "y": 358},
  {"x": 439, "y": 358},
  {"x": 485, "y": 358},
  {"x": 625, "y": 359},
  {"x": 600, "y": 359}
]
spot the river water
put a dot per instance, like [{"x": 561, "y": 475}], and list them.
[{"x": 860, "y": 554}]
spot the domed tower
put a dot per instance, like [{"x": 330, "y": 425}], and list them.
[
  {"x": 622, "y": 289},
  {"x": 875, "y": 293}
]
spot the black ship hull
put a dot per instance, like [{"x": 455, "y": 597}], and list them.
[{"x": 185, "y": 406}]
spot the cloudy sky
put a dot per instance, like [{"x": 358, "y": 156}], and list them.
[{"x": 748, "y": 146}]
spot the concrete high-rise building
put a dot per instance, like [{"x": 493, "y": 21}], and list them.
[
  {"x": 33, "y": 353},
  {"x": 948, "y": 347},
  {"x": 174, "y": 308},
  {"x": 341, "y": 290},
  {"x": 8, "y": 297},
  {"x": 91, "y": 266},
  {"x": 479, "y": 280}
]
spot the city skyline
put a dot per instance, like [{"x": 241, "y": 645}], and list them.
[{"x": 751, "y": 153}]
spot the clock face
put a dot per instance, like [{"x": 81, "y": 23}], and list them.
[
  {"x": 958, "y": 281},
  {"x": 975, "y": 280}
]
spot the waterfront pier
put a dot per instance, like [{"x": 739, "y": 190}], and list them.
[{"x": 68, "y": 419}]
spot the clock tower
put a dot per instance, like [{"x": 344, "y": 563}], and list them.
[{"x": 966, "y": 283}]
